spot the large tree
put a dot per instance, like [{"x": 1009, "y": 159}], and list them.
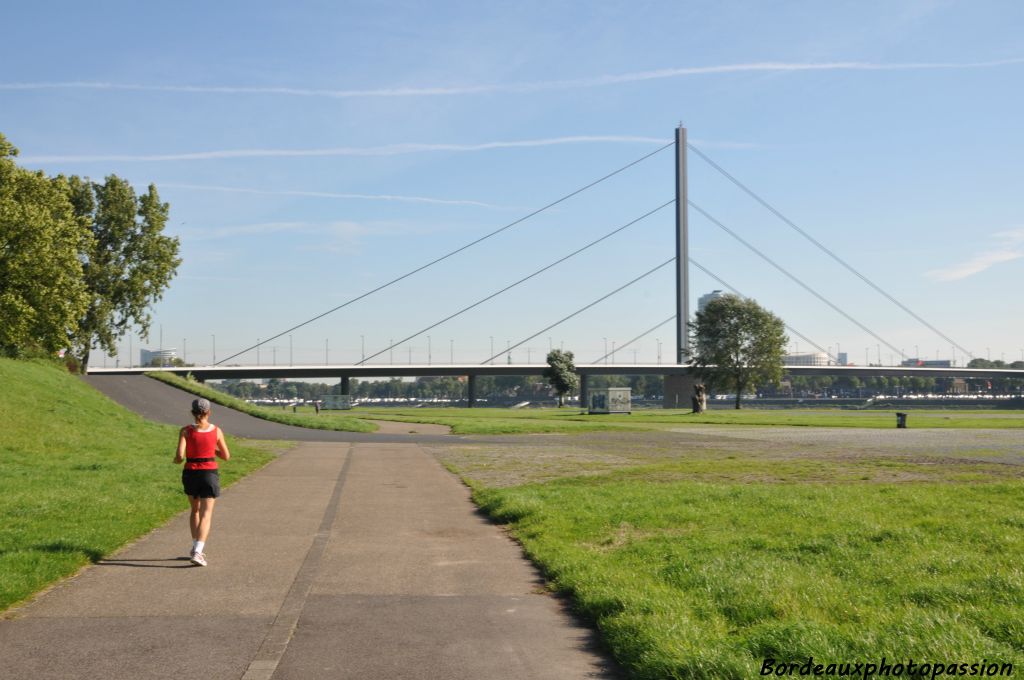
[
  {"x": 561, "y": 373},
  {"x": 736, "y": 344},
  {"x": 42, "y": 293},
  {"x": 129, "y": 262}
]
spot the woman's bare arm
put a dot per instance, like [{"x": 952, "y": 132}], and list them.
[
  {"x": 179, "y": 456},
  {"x": 222, "y": 445}
]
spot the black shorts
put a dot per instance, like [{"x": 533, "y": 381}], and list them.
[{"x": 201, "y": 483}]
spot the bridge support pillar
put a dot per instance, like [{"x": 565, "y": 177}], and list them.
[
  {"x": 346, "y": 387},
  {"x": 470, "y": 391},
  {"x": 583, "y": 390},
  {"x": 679, "y": 390}
]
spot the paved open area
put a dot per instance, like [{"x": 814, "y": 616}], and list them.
[
  {"x": 335, "y": 561},
  {"x": 338, "y": 560}
]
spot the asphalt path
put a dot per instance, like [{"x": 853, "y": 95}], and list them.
[
  {"x": 350, "y": 560},
  {"x": 164, "y": 403}
]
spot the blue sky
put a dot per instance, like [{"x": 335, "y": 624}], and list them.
[{"x": 311, "y": 151}]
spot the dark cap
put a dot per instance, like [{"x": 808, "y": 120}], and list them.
[{"x": 200, "y": 406}]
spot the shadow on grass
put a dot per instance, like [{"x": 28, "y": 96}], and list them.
[
  {"x": 96, "y": 557},
  {"x": 67, "y": 548}
]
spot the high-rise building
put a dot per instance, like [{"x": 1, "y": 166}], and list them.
[
  {"x": 162, "y": 357},
  {"x": 703, "y": 300},
  {"x": 842, "y": 359},
  {"x": 807, "y": 359}
]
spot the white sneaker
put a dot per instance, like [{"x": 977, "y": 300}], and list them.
[{"x": 198, "y": 559}]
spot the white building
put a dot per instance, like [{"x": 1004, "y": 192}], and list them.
[
  {"x": 163, "y": 357},
  {"x": 807, "y": 359},
  {"x": 703, "y": 300}
]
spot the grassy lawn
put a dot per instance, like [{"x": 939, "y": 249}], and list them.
[
  {"x": 81, "y": 476},
  {"x": 568, "y": 420},
  {"x": 700, "y": 562}
]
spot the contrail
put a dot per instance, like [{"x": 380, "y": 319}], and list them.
[
  {"x": 524, "y": 87},
  {"x": 386, "y": 150},
  {"x": 328, "y": 194}
]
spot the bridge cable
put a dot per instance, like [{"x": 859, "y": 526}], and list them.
[
  {"x": 581, "y": 310},
  {"x": 522, "y": 280},
  {"x": 825, "y": 249},
  {"x": 453, "y": 252},
  {"x": 795, "y": 279},
  {"x": 639, "y": 337},
  {"x": 673, "y": 317}
]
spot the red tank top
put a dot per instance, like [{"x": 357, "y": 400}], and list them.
[{"x": 200, "y": 449}]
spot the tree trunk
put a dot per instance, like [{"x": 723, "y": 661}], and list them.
[
  {"x": 83, "y": 360},
  {"x": 739, "y": 393}
]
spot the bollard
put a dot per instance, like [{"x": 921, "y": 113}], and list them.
[{"x": 901, "y": 420}]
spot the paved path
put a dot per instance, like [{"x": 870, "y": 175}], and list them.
[
  {"x": 337, "y": 560},
  {"x": 163, "y": 403}
]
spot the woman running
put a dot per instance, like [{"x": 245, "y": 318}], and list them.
[{"x": 199, "y": 446}]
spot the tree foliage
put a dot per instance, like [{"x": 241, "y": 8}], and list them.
[
  {"x": 80, "y": 262},
  {"x": 736, "y": 344},
  {"x": 130, "y": 262},
  {"x": 561, "y": 373},
  {"x": 42, "y": 291}
]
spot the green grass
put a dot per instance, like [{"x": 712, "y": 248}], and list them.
[
  {"x": 500, "y": 421},
  {"x": 704, "y": 565},
  {"x": 81, "y": 476},
  {"x": 569, "y": 420},
  {"x": 303, "y": 418}
]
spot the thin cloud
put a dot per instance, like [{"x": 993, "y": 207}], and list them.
[
  {"x": 1010, "y": 250},
  {"x": 525, "y": 87},
  {"x": 385, "y": 150},
  {"x": 329, "y": 194}
]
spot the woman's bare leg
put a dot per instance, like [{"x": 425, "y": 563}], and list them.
[
  {"x": 193, "y": 517},
  {"x": 205, "y": 518}
]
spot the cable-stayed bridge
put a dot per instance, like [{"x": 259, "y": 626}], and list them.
[{"x": 679, "y": 380}]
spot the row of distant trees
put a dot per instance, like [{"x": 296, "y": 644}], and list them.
[
  {"x": 530, "y": 388},
  {"x": 506, "y": 387},
  {"x": 80, "y": 261}
]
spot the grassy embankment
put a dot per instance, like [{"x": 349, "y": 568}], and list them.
[
  {"x": 81, "y": 476},
  {"x": 342, "y": 423},
  {"x": 696, "y": 563}
]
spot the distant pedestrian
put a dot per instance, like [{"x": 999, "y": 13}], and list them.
[
  {"x": 199, "y": 446},
  {"x": 316, "y": 405}
]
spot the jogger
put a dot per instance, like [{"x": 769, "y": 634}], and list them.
[{"x": 199, "y": 446}]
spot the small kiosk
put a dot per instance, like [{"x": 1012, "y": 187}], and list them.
[{"x": 609, "y": 400}]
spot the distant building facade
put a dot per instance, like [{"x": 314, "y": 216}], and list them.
[
  {"x": 703, "y": 300},
  {"x": 928, "y": 363},
  {"x": 842, "y": 359},
  {"x": 807, "y": 359},
  {"x": 163, "y": 357}
]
